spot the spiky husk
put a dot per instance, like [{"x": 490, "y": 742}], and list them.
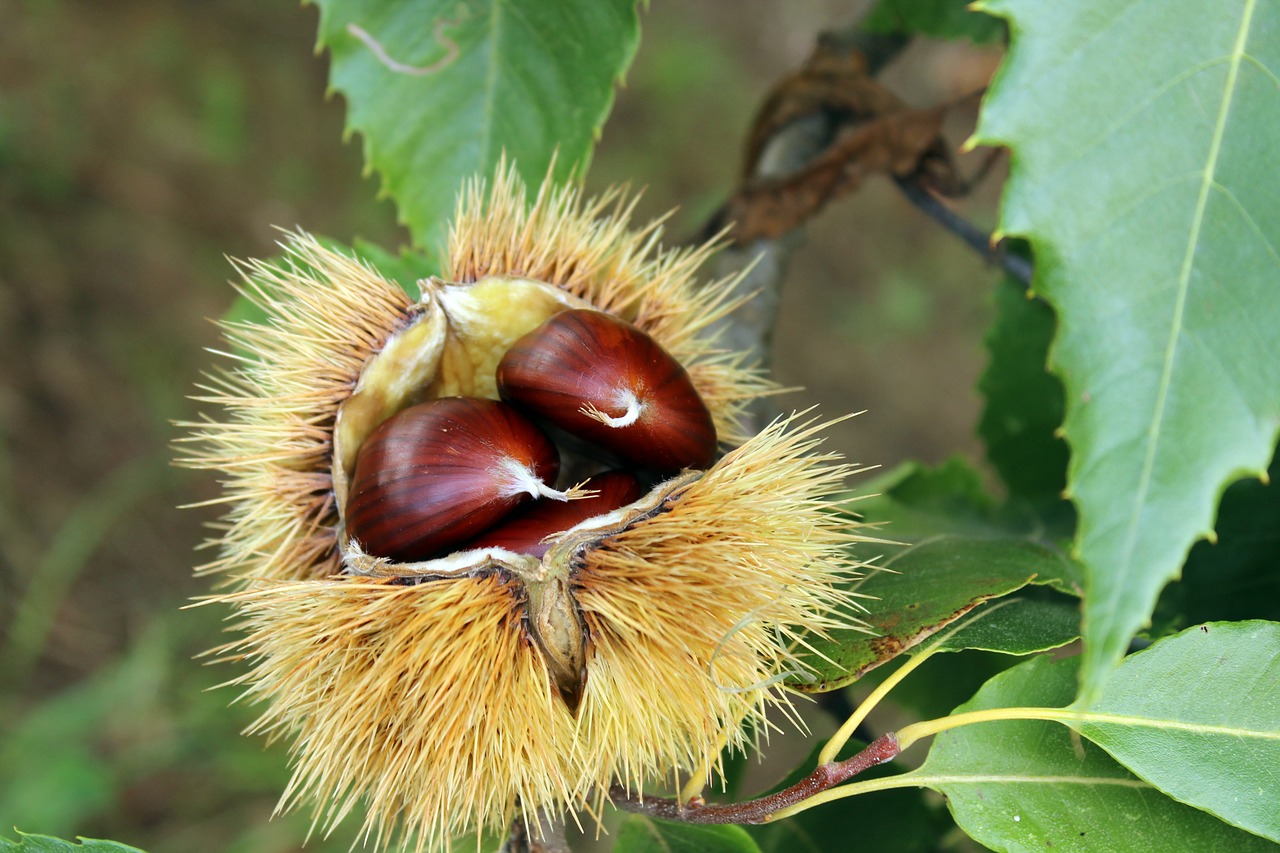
[
  {"x": 427, "y": 706},
  {"x": 328, "y": 315}
]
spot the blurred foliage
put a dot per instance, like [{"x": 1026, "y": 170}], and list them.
[
  {"x": 938, "y": 18},
  {"x": 147, "y": 750},
  {"x": 29, "y": 843},
  {"x": 138, "y": 144},
  {"x": 486, "y": 67}
]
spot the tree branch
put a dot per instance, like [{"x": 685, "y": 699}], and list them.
[
  {"x": 547, "y": 838},
  {"x": 749, "y": 329},
  {"x": 882, "y": 749}
]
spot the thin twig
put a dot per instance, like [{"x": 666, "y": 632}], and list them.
[
  {"x": 979, "y": 240},
  {"x": 441, "y": 37},
  {"x": 826, "y": 776}
]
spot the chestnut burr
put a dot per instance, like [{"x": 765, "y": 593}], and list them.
[
  {"x": 439, "y": 473},
  {"x": 606, "y": 381}
]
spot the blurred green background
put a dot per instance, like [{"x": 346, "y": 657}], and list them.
[{"x": 140, "y": 143}]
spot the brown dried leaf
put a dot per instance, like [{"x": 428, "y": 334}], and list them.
[
  {"x": 872, "y": 132},
  {"x": 896, "y": 144}
]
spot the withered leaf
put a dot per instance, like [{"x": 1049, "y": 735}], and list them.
[{"x": 871, "y": 131}]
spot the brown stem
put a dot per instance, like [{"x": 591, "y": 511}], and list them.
[{"x": 882, "y": 749}]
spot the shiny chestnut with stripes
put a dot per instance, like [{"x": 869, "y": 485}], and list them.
[
  {"x": 459, "y": 473},
  {"x": 607, "y": 382}
]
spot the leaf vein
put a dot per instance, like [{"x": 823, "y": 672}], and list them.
[
  {"x": 1263, "y": 67},
  {"x": 1016, "y": 779},
  {"x": 1249, "y": 220},
  {"x": 1095, "y": 718},
  {"x": 1143, "y": 486}
]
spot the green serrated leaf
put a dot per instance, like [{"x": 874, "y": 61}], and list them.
[
  {"x": 640, "y": 834},
  {"x": 1024, "y": 402},
  {"x": 48, "y": 844},
  {"x": 440, "y": 89},
  {"x": 930, "y": 585},
  {"x": 1025, "y": 786},
  {"x": 949, "y": 19},
  {"x": 1209, "y": 699},
  {"x": 1014, "y": 626},
  {"x": 1142, "y": 174},
  {"x": 951, "y": 551}
]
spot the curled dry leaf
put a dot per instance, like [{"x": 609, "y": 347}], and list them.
[{"x": 873, "y": 131}]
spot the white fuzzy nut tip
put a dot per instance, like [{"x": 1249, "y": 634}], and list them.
[
  {"x": 515, "y": 478},
  {"x": 626, "y": 400}
]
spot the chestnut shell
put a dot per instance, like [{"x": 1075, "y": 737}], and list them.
[
  {"x": 524, "y": 530},
  {"x": 437, "y": 474},
  {"x": 582, "y": 359}
]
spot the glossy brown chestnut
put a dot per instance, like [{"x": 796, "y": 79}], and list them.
[
  {"x": 524, "y": 531},
  {"x": 609, "y": 383},
  {"x": 438, "y": 473}
]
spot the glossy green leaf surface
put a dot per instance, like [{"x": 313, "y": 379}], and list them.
[
  {"x": 953, "y": 552},
  {"x": 640, "y": 834},
  {"x": 1210, "y": 701},
  {"x": 1021, "y": 624},
  {"x": 1143, "y": 176},
  {"x": 1025, "y": 786},
  {"x": 439, "y": 90},
  {"x": 1012, "y": 626},
  {"x": 928, "y": 587},
  {"x": 919, "y": 503}
]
